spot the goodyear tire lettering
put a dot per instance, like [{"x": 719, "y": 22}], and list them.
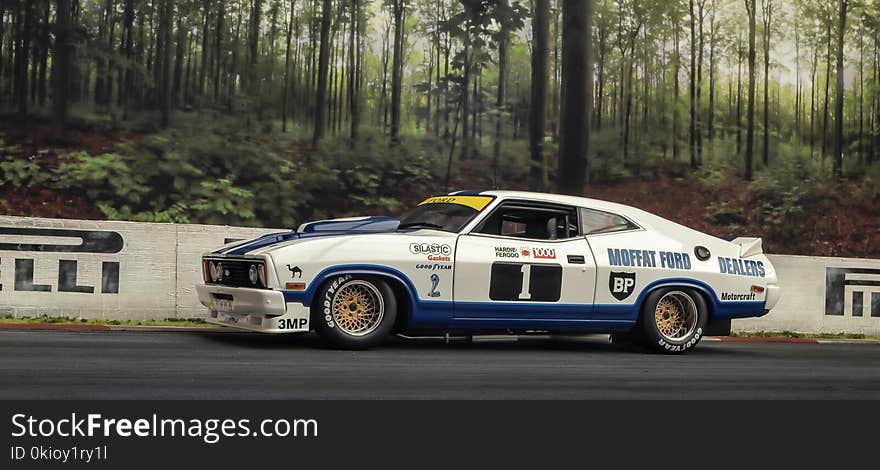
[{"x": 328, "y": 298}]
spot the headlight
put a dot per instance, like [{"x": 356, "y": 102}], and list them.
[
  {"x": 253, "y": 275},
  {"x": 262, "y": 272},
  {"x": 215, "y": 271}
]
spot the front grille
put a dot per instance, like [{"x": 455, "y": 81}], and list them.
[{"x": 234, "y": 272}]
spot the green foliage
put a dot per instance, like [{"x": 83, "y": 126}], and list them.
[
  {"x": 724, "y": 214},
  {"x": 184, "y": 175},
  {"x": 20, "y": 173},
  {"x": 218, "y": 200},
  {"x": 778, "y": 206},
  {"x": 101, "y": 177}
]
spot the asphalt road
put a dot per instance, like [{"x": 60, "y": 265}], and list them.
[{"x": 210, "y": 365}]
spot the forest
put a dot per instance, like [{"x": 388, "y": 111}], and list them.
[{"x": 734, "y": 117}]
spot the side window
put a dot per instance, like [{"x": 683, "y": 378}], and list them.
[
  {"x": 533, "y": 222},
  {"x": 594, "y": 222}
]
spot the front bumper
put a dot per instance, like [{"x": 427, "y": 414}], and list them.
[{"x": 262, "y": 310}]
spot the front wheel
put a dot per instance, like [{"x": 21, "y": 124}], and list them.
[
  {"x": 355, "y": 312},
  {"x": 673, "y": 319}
]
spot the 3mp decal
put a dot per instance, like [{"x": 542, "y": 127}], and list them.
[{"x": 621, "y": 284}]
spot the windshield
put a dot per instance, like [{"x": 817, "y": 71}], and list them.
[{"x": 447, "y": 213}]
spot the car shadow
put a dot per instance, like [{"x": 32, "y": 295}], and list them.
[{"x": 586, "y": 343}]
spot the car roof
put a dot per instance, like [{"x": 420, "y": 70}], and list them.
[
  {"x": 557, "y": 198},
  {"x": 641, "y": 217}
]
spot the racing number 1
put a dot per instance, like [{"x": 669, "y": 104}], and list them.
[
  {"x": 526, "y": 271},
  {"x": 534, "y": 282}
]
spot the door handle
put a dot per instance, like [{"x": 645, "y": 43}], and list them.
[{"x": 576, "y": 259}]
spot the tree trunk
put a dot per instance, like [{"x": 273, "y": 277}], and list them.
[
  {"x": 61, "y": 62},
  {"x": 386, "y": 44},
  {"x": 354, "y": 60},
  {"x": 284, "y": 98},
  {"x": 254, "y": 50},
  {"x": 128, "y": 82},
  {"x": 827, "y": 85},
  {"x": 44, "y": 54},
  {"x": 750, "y": 127},
  {"x": 101, "y": 67},
  {"x": 838, "y": 113},
  {"x": 574, "y": 135},
  {"x": 397, "y": 70},
  {"x": 861, "y": 149},
  {"x": 499, "y": 100},
  {"x": 739, "y": 56},
  {"x": 699, "y": 104},
  {"x": 206, "y": 12},
  {"x": 22, "y": 54},
  {"x": 767, "y": 6},
  {"x": 710, "y": 131},
  {"x": 797, "y": 84},
  {"x": 675, "y": 91},
  {"x": 218, "y": 39},
  {"x": 600, "y": 88},
  {"x": 323, "y": 62},
  {"x": 178, "y": 60},
  {"x": 538, "y": 104},
  {"x": 464, "y": 102},
  {"x": 165, "y": 86},
  {"x": 437, "y": 70},
  {"x": 813, "y": 94},
  {"x": 692, "y": 137}
]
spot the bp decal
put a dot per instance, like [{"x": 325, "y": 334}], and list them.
[{"x": 621, "y": 284}]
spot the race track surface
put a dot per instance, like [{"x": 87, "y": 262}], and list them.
[{"x": 211, "y": 365}]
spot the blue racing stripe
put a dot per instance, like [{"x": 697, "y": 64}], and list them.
[{"x": 525, "y": 315}]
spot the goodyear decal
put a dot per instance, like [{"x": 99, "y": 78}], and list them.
[{"x": 474, "y": 202}]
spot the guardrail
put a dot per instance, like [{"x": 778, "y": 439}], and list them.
[
  {"x": 105, "y": 269},
  {"x": 823, "y": 295},
  {"x": 140, "y": 271}
]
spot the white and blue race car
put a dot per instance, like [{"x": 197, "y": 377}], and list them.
[{"x": 487, "y": 262}]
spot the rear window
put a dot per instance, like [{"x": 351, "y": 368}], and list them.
[{"x": 595, "y": 222}]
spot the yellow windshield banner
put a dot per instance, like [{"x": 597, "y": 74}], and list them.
[{"x": 474, "y": 202}]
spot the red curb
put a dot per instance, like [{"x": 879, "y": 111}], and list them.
[
  {"x": 53, "y": 326},
  {"x": 770, "y": 339}
]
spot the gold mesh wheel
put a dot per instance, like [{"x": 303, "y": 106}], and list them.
[
  {"x": 358, "y": 308},
  {"x": 676, "y": 316}
]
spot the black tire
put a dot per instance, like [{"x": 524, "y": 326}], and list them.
[
  {"x": 678, "y": 324},
  {"x": 354, "y": 311}
]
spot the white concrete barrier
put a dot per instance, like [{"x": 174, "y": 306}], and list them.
[
  {"x": 105, "y": 269},
  {"x": 138, "y": 271},
  {"x": 823, "y": 295}
]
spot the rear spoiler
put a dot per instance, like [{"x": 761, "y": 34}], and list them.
[{"x": 748, "y": 246}]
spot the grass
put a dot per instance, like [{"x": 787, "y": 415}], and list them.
[
  {"x": 791, "y": 334},
  {"x": 183, "y": 322}
]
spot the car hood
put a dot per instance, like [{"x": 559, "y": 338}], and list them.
[{"x": 315, "y": 229}]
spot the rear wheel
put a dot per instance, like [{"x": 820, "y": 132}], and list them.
[
  {"x": 673, "y": 319},
  {"x": 355, "y": 312}
]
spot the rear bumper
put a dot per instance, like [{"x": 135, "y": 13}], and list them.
[
  {"x": 774, "y": 293},
  {"x": 262, "y": 310}
]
